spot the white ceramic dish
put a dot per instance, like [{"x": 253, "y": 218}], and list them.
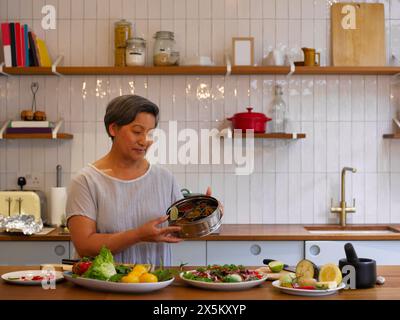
[
  {"x": 307, "y": 293},
  {"x": 100, "y": 285},
  {"x": 15, "y": 277},
  {"x": 223, "y": 286}
]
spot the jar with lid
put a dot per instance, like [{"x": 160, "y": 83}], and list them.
[
  {"x": 135, "y": 52},
  {"x": 122, "y": 32},
  {"x": 163, "y": 48}
]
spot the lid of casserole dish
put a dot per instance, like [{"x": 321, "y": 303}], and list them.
[{"x": 250, "y": 115}]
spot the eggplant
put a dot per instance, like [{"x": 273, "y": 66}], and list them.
[{"x": 307, "y": 269}]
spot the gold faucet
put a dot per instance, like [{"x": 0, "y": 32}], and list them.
[{"x": 343, "y": 210}]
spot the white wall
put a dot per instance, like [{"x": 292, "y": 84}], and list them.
[{"x": 344, "y": 116}]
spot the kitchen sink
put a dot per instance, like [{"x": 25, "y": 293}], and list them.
[{"x": 366, "y": 229}]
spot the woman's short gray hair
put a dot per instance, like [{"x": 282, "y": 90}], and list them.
[{"x": 123, "y": 110}]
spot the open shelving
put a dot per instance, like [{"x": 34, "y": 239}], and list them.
[
  {"x": 198, "y": 70},
  {"x": 50, "y": 136}
]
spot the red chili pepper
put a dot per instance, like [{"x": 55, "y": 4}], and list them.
[
  {"x": 306, "y": 288},
  {"x": 36, "y": 278}
]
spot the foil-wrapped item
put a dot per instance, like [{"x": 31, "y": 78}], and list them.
[{"x": 24, "y": 223}]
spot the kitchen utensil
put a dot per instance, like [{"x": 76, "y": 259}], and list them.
[
  {"x": 305, "y": 292},
  {"x": 311, "y": 57},
  {"x": 351, "y": 254},
  {"x": 14, "y": 203},
  {"x": 285, "y": 266},
  {"x": 195, "y": 225},
  {"x": 250, "y": 121},
  {"x": 223, "y": 286},
  {"x": 365, "y": 269},
  {"x": 110, "y": 286},
  {"x": 358, "y": 34}
]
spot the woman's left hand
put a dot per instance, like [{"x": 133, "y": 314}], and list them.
[{"x": 208, "y": 193}]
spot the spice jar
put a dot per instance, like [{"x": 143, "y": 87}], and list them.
[
  {"x": 122, "y": 32},
  {"x": 135, "y": 54},
  {"x": 163, "y": 46}
]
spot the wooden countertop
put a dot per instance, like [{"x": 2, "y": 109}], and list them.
[
  {"x": 55, "y": 235},
  {"x": 249, "y": 232},
  {"x": 180, "y": 291}
]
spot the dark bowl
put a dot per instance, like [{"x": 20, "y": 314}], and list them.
[{"x": 365, "y": 271}]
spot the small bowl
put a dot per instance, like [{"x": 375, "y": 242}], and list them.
[
  {"x": 365, "y": 272},
  {"x": 196, "y": 225}
]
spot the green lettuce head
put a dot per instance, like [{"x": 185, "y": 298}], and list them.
[{"x": 102, "y": 267}]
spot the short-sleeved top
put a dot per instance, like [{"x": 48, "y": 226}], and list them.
[{"x": 118, "y": 205}]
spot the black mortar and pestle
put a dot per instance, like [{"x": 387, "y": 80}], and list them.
[{"x": 365, "y": 269}]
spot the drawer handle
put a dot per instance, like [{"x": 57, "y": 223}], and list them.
[
  {"x": 255, "y": 249},
  {"x": 315, "y": 250},
  {"x": 59, "y": 250}
]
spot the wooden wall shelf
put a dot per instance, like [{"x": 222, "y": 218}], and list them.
[
  {"x": 280, "y": 136},
  {"x": 200, "y": 70},
  {"x": 61, "y": 136},
  {"x": 284, "y": 136},
  {"x": 391, "y": 136}
]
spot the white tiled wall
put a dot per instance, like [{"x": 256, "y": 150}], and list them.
[{"x": 344, "y": 117}]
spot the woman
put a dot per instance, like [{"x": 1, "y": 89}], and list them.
[{"x": 120, "y": 200}]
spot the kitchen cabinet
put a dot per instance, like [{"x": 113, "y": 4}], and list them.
[
  {"x": 33, "y": 252},
  {"x": 253, "y": 252},
  {"x": 384, "y": 252},
  {"x": 191, "y": 252}
]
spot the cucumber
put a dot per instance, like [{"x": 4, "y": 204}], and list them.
[{"x": 306, "y": 269}]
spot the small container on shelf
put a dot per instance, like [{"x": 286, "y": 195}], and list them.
[
  {"x": 122, "y": 32},
  {"x": 164, "y": 49},
  {"x": 135, "y": 54}
]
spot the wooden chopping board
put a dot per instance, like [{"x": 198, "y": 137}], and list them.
[{"x": 358, "y": 34}]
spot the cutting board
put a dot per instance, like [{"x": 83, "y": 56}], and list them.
[{"x": 358, "y": 34}]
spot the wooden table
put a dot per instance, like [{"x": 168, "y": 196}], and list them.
[{"x": 179, "y": 291}]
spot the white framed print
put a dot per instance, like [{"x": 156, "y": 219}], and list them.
[{"x": 243, "y": 51}]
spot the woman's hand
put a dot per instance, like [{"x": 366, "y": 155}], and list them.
[
  {"x": 208, "y": 193},
  {"x": 149, "y": 232}
]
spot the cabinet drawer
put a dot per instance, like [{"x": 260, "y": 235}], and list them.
[
  {"x": 33, "y": 252},
  {"x": 384, "y": 252},
  {"x": 252, "y": 253},
  {"x": 191, "y": 252}
]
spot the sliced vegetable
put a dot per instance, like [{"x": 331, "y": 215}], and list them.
[{"x": 306, "y": 269}]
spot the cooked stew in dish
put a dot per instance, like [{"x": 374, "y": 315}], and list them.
[{"x": 191, "y": 211}]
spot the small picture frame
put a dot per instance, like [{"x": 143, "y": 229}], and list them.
[{"x": 243, "y": 51}]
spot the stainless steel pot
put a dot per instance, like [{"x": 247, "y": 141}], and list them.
[{"x": 201, "y": 227}]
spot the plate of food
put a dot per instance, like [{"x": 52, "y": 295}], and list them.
[
  {"x": 311, "y": 281},
  {"x": 223, "y": 277},
  {"x": 102, "y": 273},
  {"x": 32, "y": 277}
]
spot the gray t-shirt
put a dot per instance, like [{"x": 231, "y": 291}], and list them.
[{"x": 118, "y": 205}]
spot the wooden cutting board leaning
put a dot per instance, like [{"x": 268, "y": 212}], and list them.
[{"x": 358, "y": 34}]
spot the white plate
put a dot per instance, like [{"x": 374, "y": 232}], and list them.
[
  {"x": 29, "y": 274},
  {"x": 223, "y": 286},
  {"x": 101, "y": 285},
  {"x": 305, "y": 292}
]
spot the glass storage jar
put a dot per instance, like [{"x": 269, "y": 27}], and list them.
[
  {"x": 122, "y": 32},
  {"x": 163, "y": 47},
  {"x": 135, "y": 52}
]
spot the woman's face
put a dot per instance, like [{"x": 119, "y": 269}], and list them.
[{"x": 134, "y": 139}]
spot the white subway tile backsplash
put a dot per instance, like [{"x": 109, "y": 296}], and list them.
[
  {"x": 218, "y": 9},
  {"x": 243, "y": 9},
  {"x": 282, "y": 9},
  {"x": 256, "y": 9}
]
